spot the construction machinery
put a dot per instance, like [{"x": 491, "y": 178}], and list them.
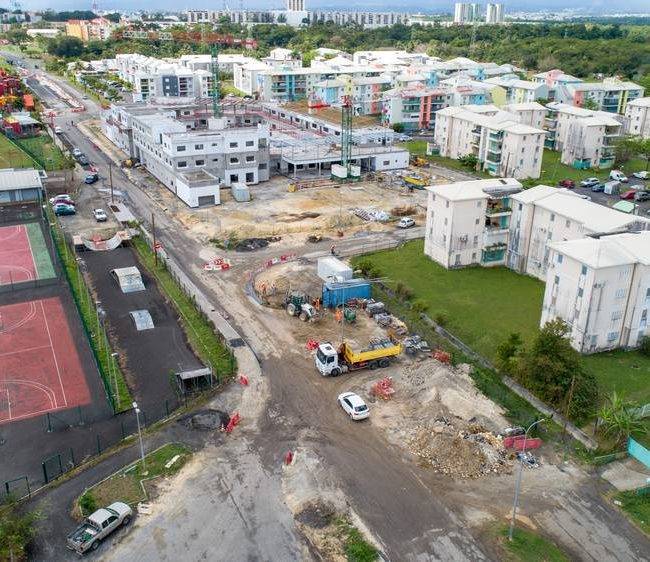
[
  {"x": 419, "y": 161},
  {"x": 332, "y": 362},
  {"x": 297, "y": 304},
  {"x": 416, "y": 181}
]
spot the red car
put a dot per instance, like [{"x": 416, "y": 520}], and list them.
[
  {"x": 569, "y": 184},
  {"x": 629, "y": 194}
]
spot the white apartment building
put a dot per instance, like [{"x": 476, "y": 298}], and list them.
[
  {"x": 494, "y": 13},
  {"x": 368, "y": 20},
  {"x": 465, "y": 12},
  {"x": 503, "y": 145},
  {"x": 638, "y": 116},
  {"x": 225, "y": 61},
  {"x": 468, "y": 222},
  {"x": 531, "y": 113},
  {"x": 601, "y": 288},
  {"x": 585, "y": 138},
  {"x": 543, "y": 215},
  {"x": 520, "y": 91}
]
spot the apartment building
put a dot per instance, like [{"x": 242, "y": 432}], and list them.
[
  {"x": 468, "y": 222},
  {"x": 555, "y": 79},
  {"x": 189, "y": 151},
  {"x": 600, "y": 286},
  {"x": 611, "y": 95},
  {"x": 494, "y": 13},
  {"x": 543, "y": 215},
  {"x": 638, "y": 117},
  {"x": 531, "y": 113},
  {"x": 465, "y": 12},
  {"x": 520, "y": 91},
  {"x": 368, "y": 20},
  {"x": 225, "y": 61},
  {"x": 585, "y": 138},
  {"x": 366, "y": 91},
  {"x": 502, "y": 145},
  {"x": 97, "y": 28}
]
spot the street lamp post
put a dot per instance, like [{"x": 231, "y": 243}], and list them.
[
  {"x": 518, "y": 482},
  {"x": 113, "y": 368},
  {"x": 137, "y": 417}
]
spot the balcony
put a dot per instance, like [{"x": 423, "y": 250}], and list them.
[
  {"x": 494, "y": 253},
  {"x": 498, "y": 211},
  {"x": 493, "y": 157}
]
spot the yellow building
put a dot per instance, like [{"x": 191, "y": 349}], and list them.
[{"x": 78, "y": 28}]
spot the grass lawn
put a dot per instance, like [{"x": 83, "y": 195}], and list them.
[
  {"x": 126, "y": 485},
  {"x": 527, "y": 546},
  {"x": 45, "y": 151},
  {"x": 637, "y": 507},
  {"x": 482, "y": 305},
  {"x": 356, "y": 548},
  {"x": 12, "y": 157},
  {"x": 200, "y": 333}
]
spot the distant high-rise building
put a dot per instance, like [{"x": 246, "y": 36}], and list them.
[
  {"x": 465, "y": 12},
  {"x": 494, "y": 13},
  {"x": 295, "y": 5}
]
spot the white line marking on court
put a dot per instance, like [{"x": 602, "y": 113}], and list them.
[
  {"x": 27, "y": 318},
  {"x": 31, "y": 251},
  {"x": 24, "y": 350},
  {"x": 8, "y": 402},
  {"x": 56, "y": 363},
  {"x": 40, "y": 386}
]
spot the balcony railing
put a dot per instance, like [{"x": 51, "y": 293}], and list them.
[{"x": 498, "y": 210}]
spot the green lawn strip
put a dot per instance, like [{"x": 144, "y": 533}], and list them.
[
  {"x": 610, "y": 365},
  {"x": 127, "y": 484},
  {"x": 11, "y": 156},
  {"x": 637, "y": 505},
  {"x": 356, "y": 548},
  {"x": 40, "y": 253},
  {"x": 112, "y": 375},
  {"x": 200, "y": 333},
  {"x": 527, "y": 546},
  {"x": 419, "y": 148},
  {"x": 44, "y": 149}
]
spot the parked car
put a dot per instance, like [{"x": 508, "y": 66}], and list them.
[
  {"x": 62, "y": 209},
  {"x": 598, "y": 188},
  {"x": 618, "y": 176},
  {"x": 100, "y": 215},
  {"x": 405, "y": 222},
  {"x": 569, "y": 184},
  {"x": 97, "y": 526},
  {"x": 589, "y": 182},
  {"x": 60, "y": 196},
  {"x": 644, "y": 175},
  {"x": 91, "y": 178},
  {"x": 629, "y": 194},
  {"x": 642, "y": 195},
  {"x": 83, "y": 160},
  {"x": 76, "y": 152},
  {"x": 353, "y": 405},
  {"x": 58, "y": 130}
]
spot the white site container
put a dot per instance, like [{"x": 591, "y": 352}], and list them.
[
  {"x": 331, "y": 268},
  {"x": 240, "y": 192},
  {"x": 339, "y": 171}
]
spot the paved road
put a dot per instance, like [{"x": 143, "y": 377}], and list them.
[{"x": 407, "y": 509}]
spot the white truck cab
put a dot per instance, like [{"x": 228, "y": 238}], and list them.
[{"x": 327, "y": 360}]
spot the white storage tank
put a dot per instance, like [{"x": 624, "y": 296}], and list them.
[{"x": 333, "y": 269}]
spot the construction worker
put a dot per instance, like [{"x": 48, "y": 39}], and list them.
[
  {"x": 333, "y": 249},
  {"x": 338, "y": 315}
]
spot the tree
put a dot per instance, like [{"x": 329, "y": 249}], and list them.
[
  {"x": 644, "y": 347},
  {"x": 552, "y": 370},
  {"x": 620, "y": 418},
  {"x": 398, "y": 127},
  {"x": 506, "y": 352},
  {"x": 625, "y": 149},
  {"x": 16, "y": 531},
  {"x": 588, "y": 103},
  {"x": 469, "y": 161},
  {"x": 67, "y": 47}
]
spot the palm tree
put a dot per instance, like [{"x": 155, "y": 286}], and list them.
[{"x": 620, "y": 418}]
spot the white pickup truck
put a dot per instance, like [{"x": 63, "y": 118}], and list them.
[{"x": 98, "y": 526}]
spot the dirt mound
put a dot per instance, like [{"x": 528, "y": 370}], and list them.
[
  {"x": 317, "y": 515},
  {"x": 252, "y": 244}
]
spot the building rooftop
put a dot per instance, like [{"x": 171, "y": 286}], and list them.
[
  {"x": 526, "y": 106},
  {"x": 608, "y": 251},
  {"x": 330, "y": 114},
  {"x": 640, "y": 102},
  {"x": 475, "y": 189},
  {"x": 19, "y": 178}
]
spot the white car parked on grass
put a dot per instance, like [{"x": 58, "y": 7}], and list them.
[
  {"x": 353, "y": 405},
  {"x": 644, "y": 175}
]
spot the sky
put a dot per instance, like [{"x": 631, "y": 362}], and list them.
[{"x": 434, "y": 6}]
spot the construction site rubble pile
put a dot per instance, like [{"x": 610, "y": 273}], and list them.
[{"x": 371, "y": 215}]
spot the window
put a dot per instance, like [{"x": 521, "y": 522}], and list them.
[
  {"x": 234, "y": 145},
  {"x": 181, "y": 164},
  {"x": 552, "y": 217},
  {"x": 447, "y": 204},
  {"x": 386, "y": 162},
  {"x": 475, "y": 240},
  {"x": 250, "y": 158},
  {"x": 620, "y": 293},
  {"x": 234, "y": 177},
  {"x": 180, "y": 148},
  {"x": 560, "y": 257},
  {"x": 583, "y": 271},
  {"x": 198, "y": 147},
  {"x": 250, "y": 177},
  {"x": 446, "y": 221},
  {"x": 557, "y": 280},
  {"x": 234, "y": 160},
  {"x": 477, "y": 221},
  {"x": 567, "y": 224},
  {"x": 612, "y": 336},
  {"x": 200, "y": 163},
  {"x": 520, "y": 206},
  {"x": 250, "y": 143},
  {"x": 581, "y": 292},
  {"x": 262, "y": 166},
  {"x": 479, "y": 203},
  {"x": 473, "y": 256}
]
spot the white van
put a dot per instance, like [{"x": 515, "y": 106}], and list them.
[{"x": 617, "y": 175}]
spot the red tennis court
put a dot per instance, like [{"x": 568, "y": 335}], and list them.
[
  {"x": 16, "y": 260},
  {"x": 40, "y": 369}
]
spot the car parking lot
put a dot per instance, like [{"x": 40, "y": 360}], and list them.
[{"x": 603, "y": 198}]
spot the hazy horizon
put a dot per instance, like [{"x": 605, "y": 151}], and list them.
[{"x": 595, "y": 7}]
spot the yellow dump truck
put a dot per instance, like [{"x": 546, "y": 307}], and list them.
[{"x": 332, "y": 362}]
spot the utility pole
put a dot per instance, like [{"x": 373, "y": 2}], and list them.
[
  {"x": 110, "y": 179},
  {"x": 153, "y": 233}
]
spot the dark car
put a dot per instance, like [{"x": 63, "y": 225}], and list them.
[
  {"x": 642, "y": 195},
  {"x": 598, "y": 187},
  {"x": 569, "y": 184},
  {"x": 82, "y": 160},
  {"x": 91, "y": 178},
  {"x": 62, "y": 209}
]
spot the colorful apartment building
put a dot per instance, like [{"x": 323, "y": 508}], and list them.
[{"x": 638, "y": 117}]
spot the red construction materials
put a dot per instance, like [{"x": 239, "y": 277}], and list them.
[
  {"x": 442, "y": 356},
  {"x": 243, "y": 380},
  {"x": 311, "y": 344},
  {"x": 232, "y": 422},
  {"x": 288, "y": 457},
  {"x": 517, "y": 442},
  {"x": 383, "y": 388}
]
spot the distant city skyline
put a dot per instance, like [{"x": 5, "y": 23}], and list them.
[{"x": 412, "y": 6}]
